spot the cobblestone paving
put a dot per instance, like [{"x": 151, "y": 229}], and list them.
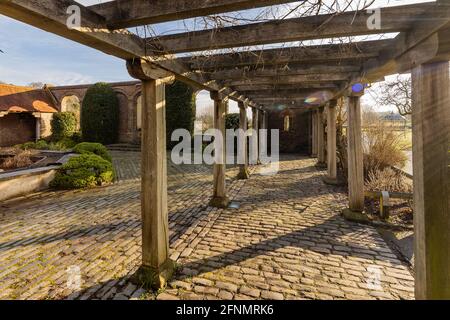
[{"x": 286, "y": 241}]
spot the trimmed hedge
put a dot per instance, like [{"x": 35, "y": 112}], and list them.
[
  {"x": 64, "y": 125},
  {"x": 84, "y": 171},
  {"x": 180, "y": 109},
  {"x": 100, "y": 114},
  {"x": 93, "y": 148},
  {"x": 232, "y": 121}
]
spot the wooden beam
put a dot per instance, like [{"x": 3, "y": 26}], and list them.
[
  {"x": 295, "y": 100},
  {"x": 349, "y": 52},
  {"x": 394, "y": 19},
  {"x": 314, "y": 133},
  {"x": 285, "y": 71},
  {"x": 355, "y": 155},
  {"x": 431, "y": 164},
  {"x": 331, "y": 178},
  {"x": 220, "y": 199},
  {"x": 283, "y": 94},
  {"x": 427, "y": 40},
  {"x": 51, "y": 16},
  {"x": 274, "y": 87},
  {"x": 156, "y": 268},
  {"x": 292, "y": 79},
  {"x": 132, "y": 13},
  {"x": 321, "y": 161},
  {"x": 254, "y": 147},
  {"x": 244, "y": 173}
]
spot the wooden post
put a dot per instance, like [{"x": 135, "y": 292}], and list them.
[
  {"x": 355, "y": 155},
  {"x": 331, "y": 178},
  {"x": 255, "y": 139},
  {"x": 320, "y": 139},
  {"x": 156, "y": 267},
  {"x": 314, "y": 134},
  {"x": 220, "y": 199},
  {"x": 243, "y": 141},
  {"x": 431, "y": 167}
]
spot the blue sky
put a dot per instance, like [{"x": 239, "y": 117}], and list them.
[{"x": 32, "y": 55}]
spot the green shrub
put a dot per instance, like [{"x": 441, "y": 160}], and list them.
[
  {"x": 100, "y": 114},
  {"x": 62, "y": 145},
  {"x": 232, "y": 121},
  {"x": 180, "y": 109},
  {"x": 84, "y": 171},
  {"x": 93, "y": 148},
  {"x": 64, "y": 125}
]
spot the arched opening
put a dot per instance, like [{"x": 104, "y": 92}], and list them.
[
  {"x": 72, "y": 104},
  {"x": 287, "y": 125}
]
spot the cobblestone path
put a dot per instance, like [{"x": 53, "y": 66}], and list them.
[{"x": 286, "y": 241}]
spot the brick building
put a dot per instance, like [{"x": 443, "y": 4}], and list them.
[{"x": 25, "y": 114}]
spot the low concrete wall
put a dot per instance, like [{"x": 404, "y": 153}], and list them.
[{"x": 20, "y": 183}]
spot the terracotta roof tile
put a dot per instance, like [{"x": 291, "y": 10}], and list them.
[{"x": 25, "y": 99}]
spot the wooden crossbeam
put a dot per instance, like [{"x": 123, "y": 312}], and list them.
[
  {"x": 288, "y": 87},
  {"x": 291, "y": 79},
  {"x": 427, "y": 40},
  {"x": 132, "y": 13},
  {"x": 274, "y": 94},
  {"x": 51, "y": 16},
  {"x": 279, "y": 100},
  {"x": 393, "y": 19},
  {"x": 285, "y": 71},
  {"x": 345, "y": 53}
]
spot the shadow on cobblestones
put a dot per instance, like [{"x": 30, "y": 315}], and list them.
[{"x": 300, "y": 239}]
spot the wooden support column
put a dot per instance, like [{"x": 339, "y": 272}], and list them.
[
  {"x": 331, "y": 178},
  {"x": 220, "y": 199},
  {"x": 254, "y": 153},
  {"x": 431, "y": 167},
  {"x": 156, "y": 267},
  {"x": 355, "y": 155},
  {"x": 243, "y": 141},
  {"x": 321, "y": 161},
  {"x": 314, "y": 134}
]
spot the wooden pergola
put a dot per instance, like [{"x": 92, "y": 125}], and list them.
[{"x": 258, "y": 79}]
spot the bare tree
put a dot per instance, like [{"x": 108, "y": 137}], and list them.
[
  {"x": 396, "y": 93},
  {"x": 36, "y": 85}
]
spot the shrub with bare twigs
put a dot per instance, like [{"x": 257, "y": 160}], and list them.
[
  {"x": 382, "y": 149},
  {"x": 20, "y": 160}
]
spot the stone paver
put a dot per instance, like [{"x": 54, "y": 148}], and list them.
[{"x": 286, "y": 241}]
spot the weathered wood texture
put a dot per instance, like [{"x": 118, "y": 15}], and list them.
[
  {"x": 355, "y": 155},
  {"x": 394, "y": 19},
  {"x": 329, "y": 54},
  {"x": 320, "y": 137},
  {"x": 51, "y": 16},
  {"x": 220, "y": 198},
  {"x": 243, "y": 141},
  {"x": 331, "y": 141},
  {"x": 314, "y": 133},
  {"x": 132, "y": 13},
  {"x": 155, "y": 226},
  {"x": 254, "y": 151},
  {"x": 431, "y": 166}
]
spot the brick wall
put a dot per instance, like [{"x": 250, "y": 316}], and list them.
[{"x": 17, "y": 128}]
